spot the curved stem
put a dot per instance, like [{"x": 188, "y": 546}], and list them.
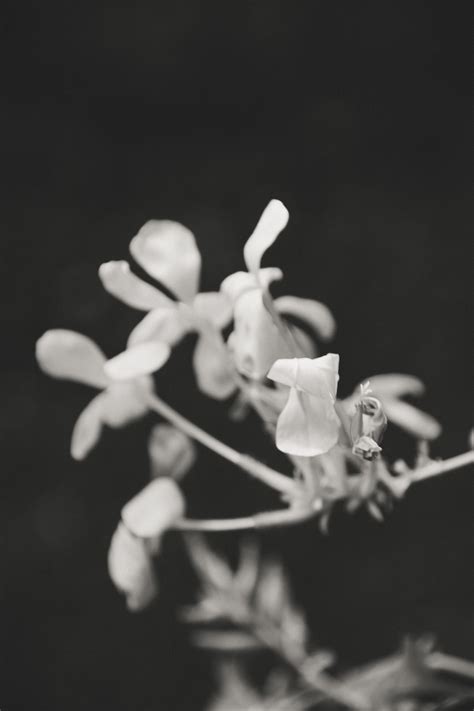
[{"x": 260, "y": 471}]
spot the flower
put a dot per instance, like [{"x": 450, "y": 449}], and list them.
[
  {"x": 154, "y": 509},
  {"x": 172, "y": 453},
  {"x": 366, "y": 447},
  {"x": 131, "y": 569},
  {"x": 308, "y": 424},
  {"x": 389, "y": 389},
  {"x": 260, "y": 335},
  {"x": 167, "y": 251},
  {"x": 138, "y": 536},
  {"x": 123, "y": 380}
]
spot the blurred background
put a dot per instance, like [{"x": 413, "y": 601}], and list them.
[{"x": 356, "y": 115}]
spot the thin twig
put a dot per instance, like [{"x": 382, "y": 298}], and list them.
[
  {"x": 443, "y": 466},
  {"x": 275, "y": 480},
  {"x": 268, "y": 519}
]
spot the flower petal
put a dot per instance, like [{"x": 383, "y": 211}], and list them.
[
  {"x": 409, "y": 418},
  {"x": 167, "y": 251},
  {"x": 171, "y": 452},
  {"x": 213, "y": 367},
  {"x": 154, "y": 509},
  {"x": 214, "y": 306},
  {"x": 317, "y": 376},
  {"x": 307, "y": 426},
  {"x": 124, "y": 402},
  {"x": 316, "y": 315},
  {"x": 119, "y": 281},
  {"x": 88, "y": 428},
  {"x": 255, "y": 343},
  {"x": 142, "y": 359},
  {"x": 238, "y": 283},
  {"x": 72, "y": 356},
  {"x": 305, "y": 343},
  {"x": 273, "y": 220},
  {"x": 131, "y": 570},
  {"x": 396, "y": 385},
  {"x": 167, "y": 325}
]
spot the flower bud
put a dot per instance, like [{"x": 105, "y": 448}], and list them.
[{"x": 366, "y": 447}]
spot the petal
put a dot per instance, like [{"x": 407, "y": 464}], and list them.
[
  {"x": 154, "y": 509},
  {"x": 305, "y": 343},
  {"x": 167, "y": 251},
  {"x": 396, "y": 385},
  {"x": 317, "y": 376},
  {"x": 238, "y": 283},
  {"x": 255, "y": 343},
  {"x": 142, "y": 359},
  {"x": 213, "y": 367},
  {"x": 87, "y": 429},
  {"x": 316, "y": 315},
  {"x": 167, "y": 325},
  {"x": 124, "y": 402},
  {"x": 215, "y": 307},
  {"x": 130, "y": 569},
  {"x": 412, "y": 420},
  {"x": 307, "y": 426},
  {"x": 72, "y": 356},
  {"x": 171, "y": 452},
  {"x": 273, "y": 220},
  {"x": 119, "y": 281}
]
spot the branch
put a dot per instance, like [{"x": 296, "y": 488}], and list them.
[{"x": 270, "y": 477}]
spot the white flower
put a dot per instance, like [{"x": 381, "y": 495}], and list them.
[
  {"x": 257, "y": 341},
  {"x": 366, "y": 447},
  {"x": 172, "y": 453},
  {"x": 308, "y": 424},
  {"x": 124, "y": 381},
  {"x": 167, "y": 251},
  {"x": 389, "y": 389},
  {"x": 145, "y": 519},
  {"x": 131, "y": 569}
]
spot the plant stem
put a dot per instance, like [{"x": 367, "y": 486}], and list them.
[
  {"x": 441, "y": 467},
  {"x": 321, "y": 682},
  {"x": 237, "y": 610},
  {"x": 453, "y": 665},
  {"x": 284, "y": 517},
  {"x": 260, "y": 471}
]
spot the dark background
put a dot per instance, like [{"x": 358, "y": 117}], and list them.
[{"x": 357, "y": 116}]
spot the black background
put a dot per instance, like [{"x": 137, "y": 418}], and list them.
[{"x": 356, "y": 116}]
